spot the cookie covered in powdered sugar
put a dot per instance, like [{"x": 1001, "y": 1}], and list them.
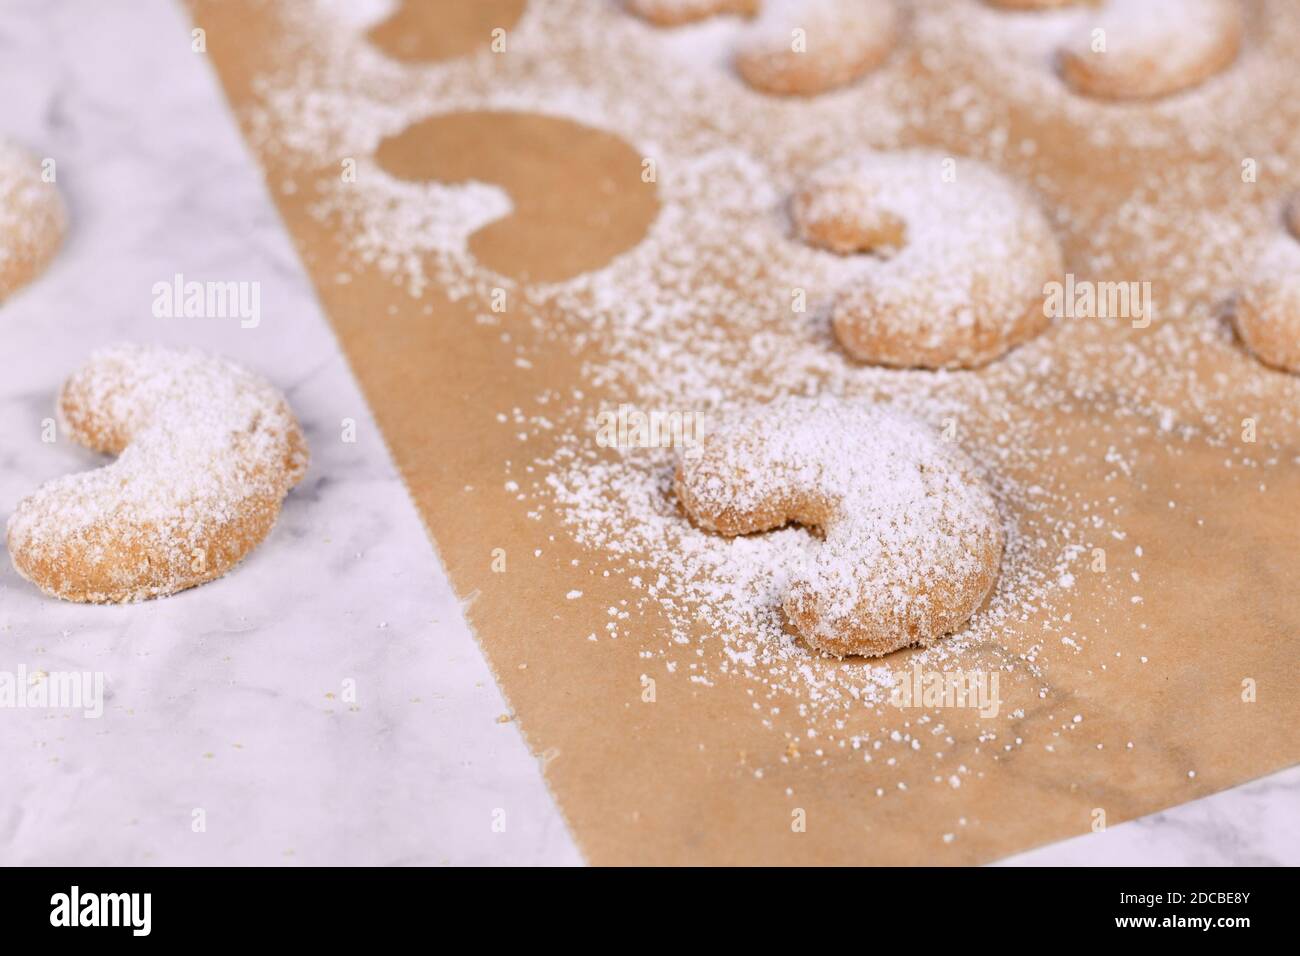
[
  {"x": 206, "y": 453},
  {"x": 32, "y": 219},
  {"x": 672, "y": 13},
  {"x": 1267, "y": 309},
  {"x": 911, "y": 537},
  {"x": 1144, "y": 49},
  {"x": 805, "y": 47},
  {"x": 966, "y": 257},
  {"x": 1033, "y": 4}
]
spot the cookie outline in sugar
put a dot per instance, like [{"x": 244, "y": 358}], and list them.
[
  {"x": 567, "y": 217},
  {"x": 415, "y": 32}
]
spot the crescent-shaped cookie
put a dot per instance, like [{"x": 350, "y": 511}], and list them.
[
  {"x": 966, "y": 253},
  {"x": 206, "y": 452},
  {"x": 673, "y": 13},
  {"x": 1267, "y": 309},
  {"x": 1032, "y": 4},
  {"x": 32, "y": 219},
  {"x": 1144, "y": 49},
  {"x": 911, "y": 537},
  {"x": 806, "y": 47}
]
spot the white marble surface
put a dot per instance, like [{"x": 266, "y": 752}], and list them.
[{"x": 217, "y": 698}]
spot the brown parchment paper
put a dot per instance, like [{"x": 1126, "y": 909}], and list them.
[{"x": 674, "y": 781}]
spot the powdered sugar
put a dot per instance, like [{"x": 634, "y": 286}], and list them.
[
  {"x": 1144, "y": 48},
  {"x": 1173, "y": 34},
  {"x": 204, "y": 447},
  {"x": 809, "y": 46},
  {"x": 676, "y": 12},
  {"x": 975, "y": 255},
  {"x": 911, "y": 539},
  {"x": 1267, "y": 311},
  {"x": 720, "y": 307}
]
